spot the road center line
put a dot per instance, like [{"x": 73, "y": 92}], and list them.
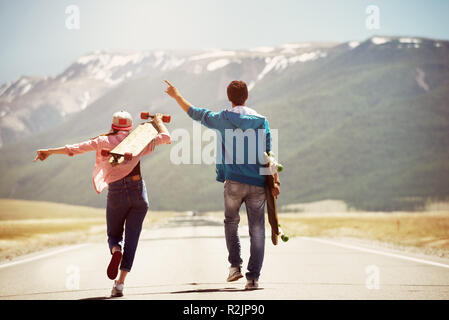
[
  {"x": 383, "y": 253},
  {"x": 48, "y": 254}
]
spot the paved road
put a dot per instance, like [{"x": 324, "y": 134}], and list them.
[{"x": 186, "y": 259}]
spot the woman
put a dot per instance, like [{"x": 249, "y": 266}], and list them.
[{"x": 127, "y": 201}]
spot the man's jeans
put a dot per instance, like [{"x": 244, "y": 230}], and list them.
[
  {"x": 235, "y": 193},
  {"x": 126, "y": 208}
]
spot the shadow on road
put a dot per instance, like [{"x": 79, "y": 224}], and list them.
[
  {"x": 213, "y": 290},
  {"x": 199, "y": 290},
  {"x": 177, "y": 292},
  {"x": 98, "y": 298}
]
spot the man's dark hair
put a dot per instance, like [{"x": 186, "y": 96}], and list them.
[{"x": 237, "y": 92}]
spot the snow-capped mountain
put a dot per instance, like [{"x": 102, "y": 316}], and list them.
[
  {"x": 30, "y": 105},
  {"x": 363, "y": 122}
]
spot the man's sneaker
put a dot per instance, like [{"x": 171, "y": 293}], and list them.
[
  {"x": 235, "y": 273},
  {"x": 117, "y": 290},
  {"x": 252, "y": 285},
  {"x": 114, "y": 264}
]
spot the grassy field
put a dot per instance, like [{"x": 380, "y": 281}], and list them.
[
  {"x": 422, "y": 230},
  {"x": 28, "y": 226}
]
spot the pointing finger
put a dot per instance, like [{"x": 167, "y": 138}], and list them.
[{"x": 168, "y": 83}]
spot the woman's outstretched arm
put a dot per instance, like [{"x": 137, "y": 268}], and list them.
[
  {"x": 70, "y": 149},
  {"x": 43, "y": 154}
]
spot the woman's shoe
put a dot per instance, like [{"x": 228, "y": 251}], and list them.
[
  {"x": 117, "y": 290},
  {"x": 114, "y": 264}
]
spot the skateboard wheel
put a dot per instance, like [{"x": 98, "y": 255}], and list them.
[
  {"x": 105, "y": 152},
  {"x": 166, "y": 118},
  {"x": 128, "y": 156},
  {"x": 144, "y": 115},
  {"x": 284, "y": 238},
  {"x": 280, "y": 167}
]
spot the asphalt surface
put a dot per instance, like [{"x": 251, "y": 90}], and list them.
[{"x": 186, "y": 258}]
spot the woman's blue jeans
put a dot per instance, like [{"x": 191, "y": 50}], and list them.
[{"x": 126, "y": 208}]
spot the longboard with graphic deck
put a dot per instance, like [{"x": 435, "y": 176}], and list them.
[{"x": 135, "y": 142}]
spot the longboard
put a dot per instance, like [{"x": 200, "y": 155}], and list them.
[
  {"x": 272, "y": 211},
  {"x": 135, "y": 142}
]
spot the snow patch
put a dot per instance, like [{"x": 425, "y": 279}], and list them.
[
  {"x": 22, "y": 82},
  {"x": 271, "y": 63},
  {"x": 421, "y": 79},
  {"x": 409, "y": 40},
  {"x": 122, "y": 60},
  {"x": 310, "y": 56},
  {"x": 279, "y": 63},
  {"x": 353, "y": 44},
  {"x": 26, "y": 89},
  {"x": 379, "y": 40},
  {"x": 218, "y": 64},
  {"x": 213, "y": 54},
  {"x": 86, "y": 59},
  {"x": 290, "y": 48}
]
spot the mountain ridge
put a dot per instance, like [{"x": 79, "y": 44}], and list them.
[{"x": 356, "y": 125}]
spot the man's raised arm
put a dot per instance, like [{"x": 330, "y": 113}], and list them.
[
  {"x": 174, "y": 93},
  {"x": 212, "y": 120}
]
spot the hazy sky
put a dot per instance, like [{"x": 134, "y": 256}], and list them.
[{"x": 36, "y": 41}]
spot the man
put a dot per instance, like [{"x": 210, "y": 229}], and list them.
[{"x": 240, "y": 170}]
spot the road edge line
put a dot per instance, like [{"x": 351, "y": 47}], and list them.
[
  {"x": 388, "y": 254},
  {"x": 37, "y": 257}
]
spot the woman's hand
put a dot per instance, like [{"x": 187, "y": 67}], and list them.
[
  {"x": 158, "y": 117},
  {"x": 159, "y": 124},
  {"x": 42, "y": 154}
]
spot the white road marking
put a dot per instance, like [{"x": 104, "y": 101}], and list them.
[
  {"x": 383, "y": 253},
  {"x": 48, "y": 254}
]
